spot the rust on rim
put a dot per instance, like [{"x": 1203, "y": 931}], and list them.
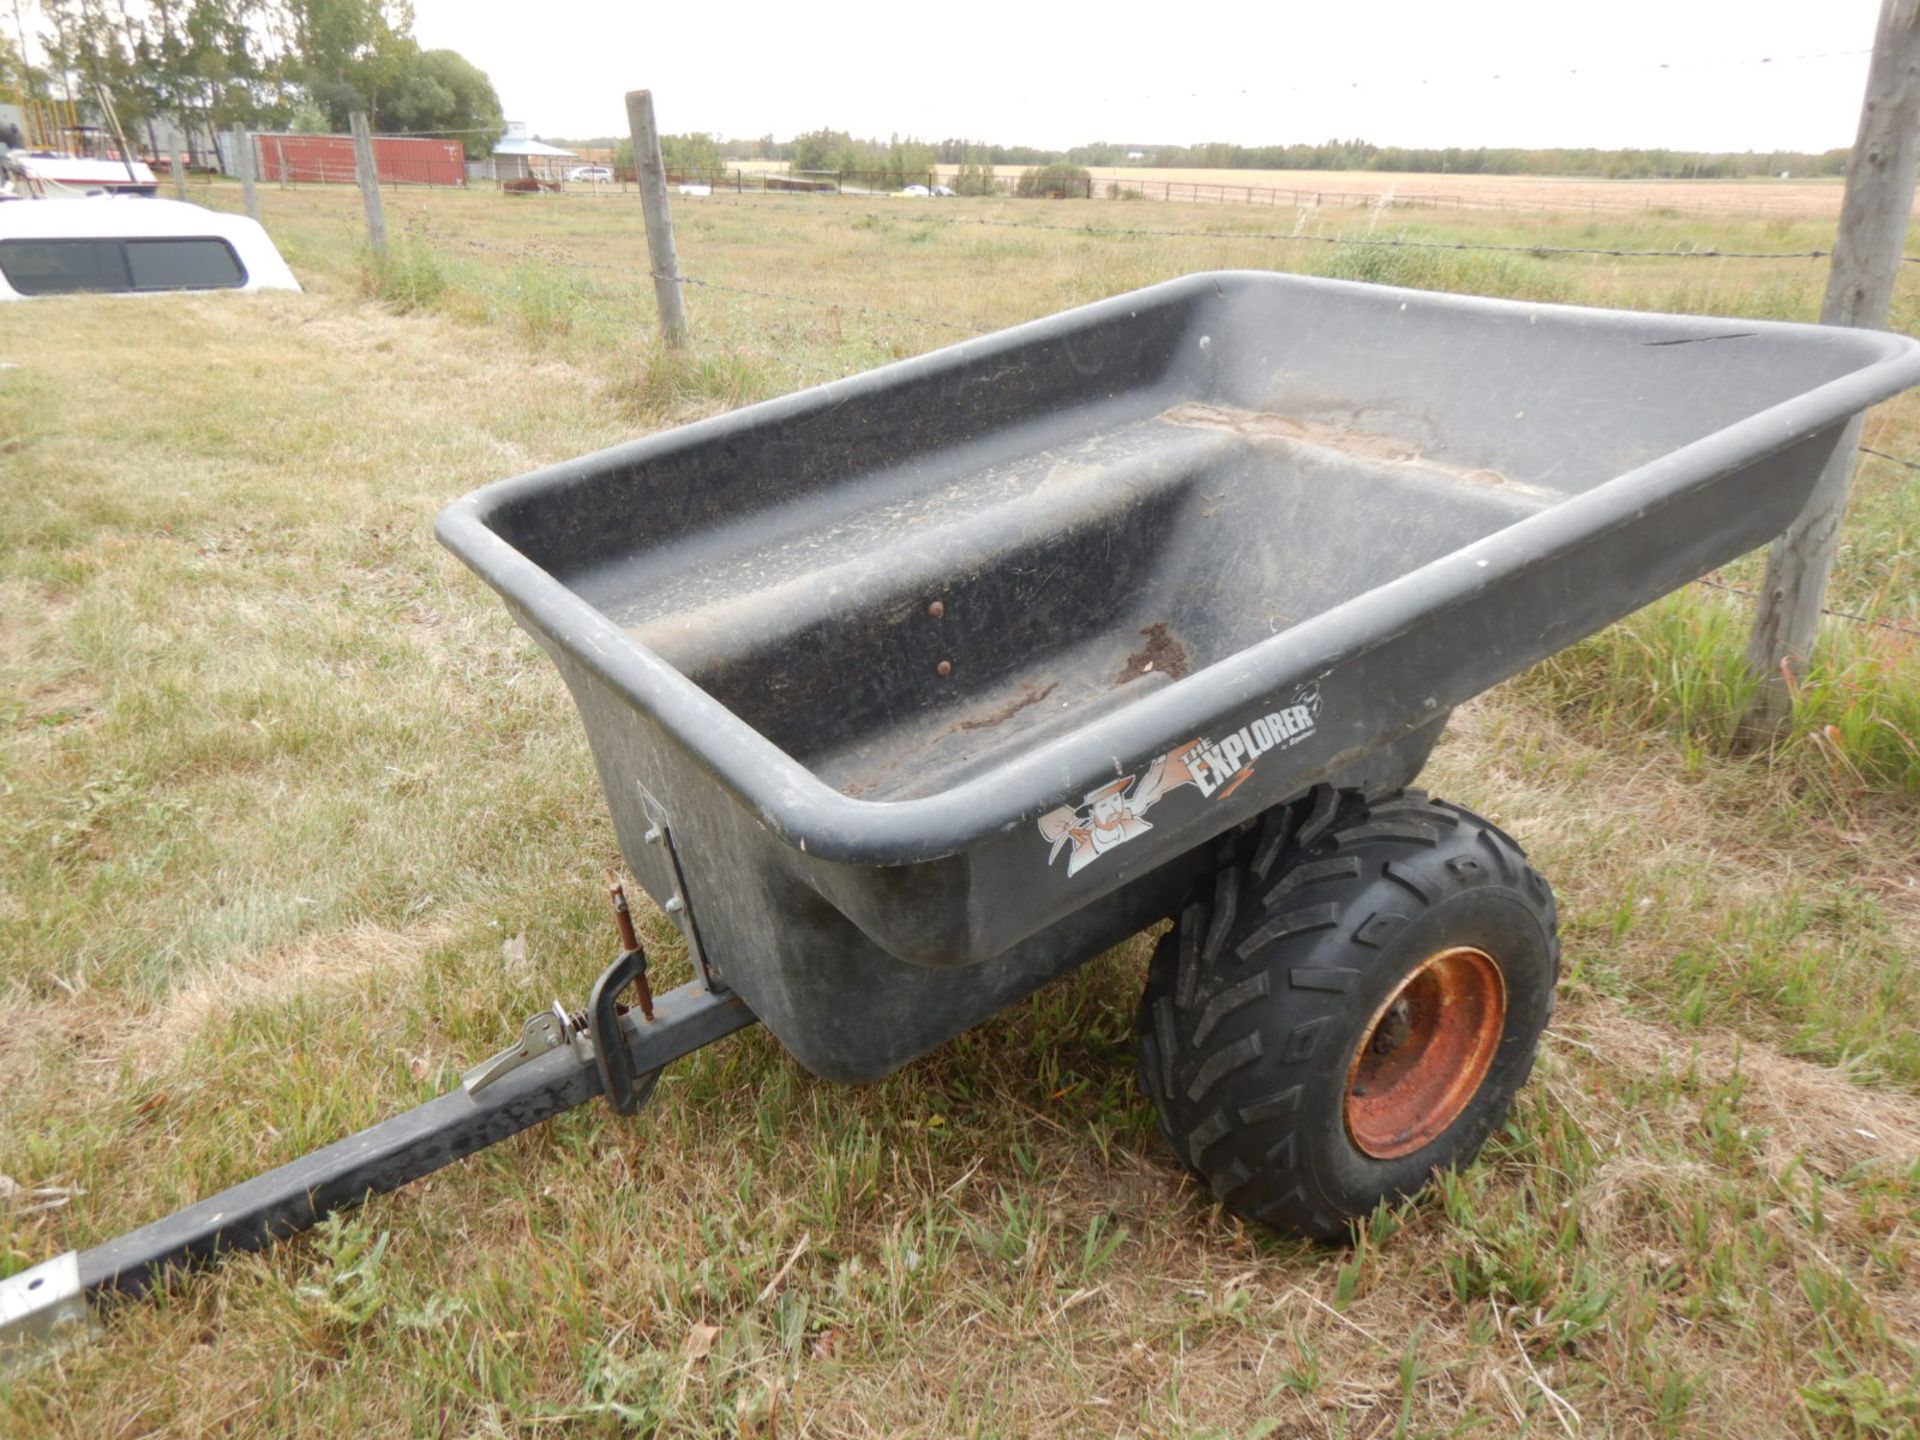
[{"x": 1426, "y": 1051}]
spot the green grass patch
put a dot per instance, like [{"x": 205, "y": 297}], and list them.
[{"x": 1681, "y": 665}]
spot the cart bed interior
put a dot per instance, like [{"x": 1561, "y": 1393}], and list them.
[{"x": 1100, "y": 515}]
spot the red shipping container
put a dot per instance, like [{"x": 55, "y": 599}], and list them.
[{"x": 328, "y": 159}]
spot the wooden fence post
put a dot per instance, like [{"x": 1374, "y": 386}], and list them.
[
  {"x": 651, "y": 174},
  {"x": 1866, "y": 261},
  {"x": 368, "y": 175},
  {"x": 244, "y": 166}
]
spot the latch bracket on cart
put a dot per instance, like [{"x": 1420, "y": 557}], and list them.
[{"x": 660, "y": 833}]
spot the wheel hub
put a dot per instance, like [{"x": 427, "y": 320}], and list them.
[
  {"x": 1395, "y": 1027},
  {"x": 1425, "y": 1053}
]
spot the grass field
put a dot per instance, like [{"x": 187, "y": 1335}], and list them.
[{"x": 294, "y": 825}]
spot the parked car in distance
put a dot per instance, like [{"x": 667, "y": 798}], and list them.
[
  {"x": 594, "y": 174},
  {"x": 125, "y": 244},
  {"x": 941, "y": 190},
  {"x": 916, "y": 190}
]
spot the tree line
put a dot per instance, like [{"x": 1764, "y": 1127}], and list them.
[
  {"x": 206, "y": 65},
  {"x": 839, "y": 151}
]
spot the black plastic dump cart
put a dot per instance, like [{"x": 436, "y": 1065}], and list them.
[{"x": 914, "y": 691}]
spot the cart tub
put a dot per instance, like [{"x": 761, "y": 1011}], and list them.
[{"x": 937, "y": 681}]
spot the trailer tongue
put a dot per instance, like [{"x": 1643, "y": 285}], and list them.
[{"x": 561, "y": 1061}]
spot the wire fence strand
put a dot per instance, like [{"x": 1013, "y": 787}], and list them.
[
  {"x": 1852, "y": 615},
  {"x": 1881, "y": 454}
]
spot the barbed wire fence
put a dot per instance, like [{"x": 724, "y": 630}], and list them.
[{"x": 948, "y": 325}]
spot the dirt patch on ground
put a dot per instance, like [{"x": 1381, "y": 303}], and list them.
[
  {"x": 1716, "y": 815},
  {"x": 1805, "y": 1110},
  {"x": 1161, "y": 653},
  {"x": 35, "y": 1029},
  {"x": 330, "y": 962}
]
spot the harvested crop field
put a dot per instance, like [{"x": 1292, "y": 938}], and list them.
[
  {"x": 1691, "y": 198},
  {"x": 1776, "y": 199}
]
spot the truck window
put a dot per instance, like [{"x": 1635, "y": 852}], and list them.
[
  {"x": 61, "y": 267},
  {"x": 58, "y": 267},
  {"x": 184, "y": 265}
]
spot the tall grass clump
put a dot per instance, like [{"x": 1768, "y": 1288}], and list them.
[
  {"x": 662, "y": 384},
  {"x": 546, "y": 303},
  {"x": 1680, "y": 665},
  {"x": 410, "y": 277},
  {"x": 1464, "y": 273}
]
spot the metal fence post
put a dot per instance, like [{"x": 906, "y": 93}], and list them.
[
  {"x": 651, "y": 174},
  {"x": 369, "y": 177},
  {"x": 1866, "y": 262},
  {"x": 244, "y": 167}
]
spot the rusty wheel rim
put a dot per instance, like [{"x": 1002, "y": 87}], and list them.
[{"x": 1426, "y": 1050}]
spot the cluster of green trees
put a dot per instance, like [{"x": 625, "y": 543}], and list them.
[
  {"x": 266, "y": 64},
  {"x": 975, "y": 175},
  {"x": 903, "y": 160},
  {"x": 893, "y": 161},
  {"x": 1061, "y": 180},
  {"x": 695, "y": 154},
  {"x": 959, "y": 152},
  {"x": 13, "y": 74},
  {"x": 819, "y": 149}
]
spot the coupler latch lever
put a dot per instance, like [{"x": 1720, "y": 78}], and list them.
[{"x": 593, "y": 1033}]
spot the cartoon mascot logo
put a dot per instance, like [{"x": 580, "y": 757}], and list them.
[{"x": 1117, "y": 812}]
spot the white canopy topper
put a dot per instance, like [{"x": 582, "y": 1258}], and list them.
[{"x": 107, "y": 244}]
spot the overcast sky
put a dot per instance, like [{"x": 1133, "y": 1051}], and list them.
[{"x": 1409, "y": 72}]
